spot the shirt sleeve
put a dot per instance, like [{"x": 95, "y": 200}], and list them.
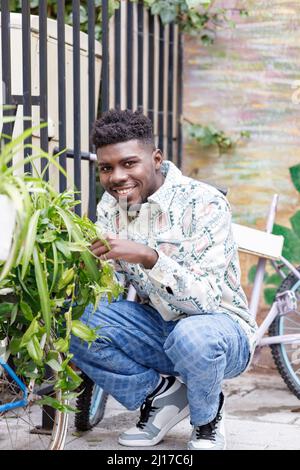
[{"x": 193, "y": 285}]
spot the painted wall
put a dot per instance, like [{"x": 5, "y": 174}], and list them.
[{"x": 246, "y": 81}]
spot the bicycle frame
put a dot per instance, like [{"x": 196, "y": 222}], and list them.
[
  {"x": 284, "y": 303},
  {"x": 23, "y": 388}
]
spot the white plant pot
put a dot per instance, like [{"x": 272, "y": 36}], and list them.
[{"x": 7, "y": 225}]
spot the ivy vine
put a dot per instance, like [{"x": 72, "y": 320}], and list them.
[{"x": 193, "y": 16}]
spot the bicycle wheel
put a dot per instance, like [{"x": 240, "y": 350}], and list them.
[
  {"x": 20, "y": 428},
  {"x": 90, "y": 404},
  {"x": 287, "y": 356}
]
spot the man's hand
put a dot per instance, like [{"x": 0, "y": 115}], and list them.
[{"x": 125, "y": 250}]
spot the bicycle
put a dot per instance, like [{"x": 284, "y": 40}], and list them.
[
  {"x": 281, "y": 327},
  {"x": 20, "y": 412}
]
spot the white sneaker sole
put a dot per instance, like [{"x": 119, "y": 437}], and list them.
[
  {"x": 191, "y": 447},
  {"x": 146, "y": 443}
]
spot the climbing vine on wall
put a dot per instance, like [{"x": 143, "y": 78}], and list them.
[{"x": 193, "y": 16}]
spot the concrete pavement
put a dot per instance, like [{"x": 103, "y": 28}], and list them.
[{"x": 261, "y": 414}]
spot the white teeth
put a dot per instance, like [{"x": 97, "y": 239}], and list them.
[{"x": 124, "y": 191}]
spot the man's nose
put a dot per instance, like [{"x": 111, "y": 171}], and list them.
[{"x": 118, "y": 175}]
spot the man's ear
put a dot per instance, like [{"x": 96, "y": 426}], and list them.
[{"x": 158, "y": 158}]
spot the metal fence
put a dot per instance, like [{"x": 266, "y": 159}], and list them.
[{"x": 141, "y": 62}]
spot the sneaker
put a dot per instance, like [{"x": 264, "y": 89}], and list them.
[
  {"x": 161, "y": 410},
  {"x": 210, "y": 436}
]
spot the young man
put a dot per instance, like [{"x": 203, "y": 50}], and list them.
[{"x": 171, "y": 238}]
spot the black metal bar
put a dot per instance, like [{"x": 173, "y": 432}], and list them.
[
  {"x": 161, "y": 75},
  {"x": 5, "y": 37},
  {"x": 179, "y": 94},
  {"x": 87, "y": 156},
  {"x": 118, "y": 58},
  {"x": 105, "y": 57},
  {"x": 151, "y": 68},
  {"x": 43, "y": 81},
  {"x": 92, "y": 191},
  {"x": 48, "y": 415},
  {"x": 91, "y": 62},
  {"x": 6, "y": 68},
  {"x": 76, "y": 102},
  {"x": 19, "y": 99},
  {"x": 129, "y": 47},
  {"x": 61, "y": 64},
  {"x": 92, "y": 112},
  {"x": 26, "y": 54},
  {"x": 170, "y": 92},
  {"x": 140, "y": 83}
]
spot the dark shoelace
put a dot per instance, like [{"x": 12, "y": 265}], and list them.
[
  {"x": 146, "y": 410},
  {"x": 208, "y": 431}
]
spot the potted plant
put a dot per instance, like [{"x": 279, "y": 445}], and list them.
[{"x": 47, "y": 278}]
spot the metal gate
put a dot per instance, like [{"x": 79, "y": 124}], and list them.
[{"x": 141, "y": 62}]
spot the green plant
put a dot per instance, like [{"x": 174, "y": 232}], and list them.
[
  {"x": 209, "y": 136},
  {"x": 291, "y": 247},
  {"x": 192, "y": 16},
  {"x": 199, "y": 17},
  {"x": 49, "y": 277}
]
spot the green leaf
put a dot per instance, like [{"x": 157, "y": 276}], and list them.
[
  {"x": 291, "y": 247},
  {"x": 15, "y": 344},
  {"x": 168, "y": 15},
  {"x": 34, "y": 350},
  {"x": 295, "y": 175},
  {"x": 13, "y": 315},
  {"x": 251, "y": 274},
  {"x": 78, "y": 311},
  {"x": 56, "y": 404},
  {"x": 197, "y": 3},
  {"x": 269, "y": 295},
  {"x": 83, "y": 331},
  {"x": 54, "y": 364},
  {"x": 62, "y": 345},
  {"x": 66, "y": 279},
  {"x": 32, "y": 330},
  {"x": 274, "y": 279},
  {"x": 55, "y": 266},
  {"x": 42, "y": 286},
  {"x": 295, "y": 222},
  {"x": 26, "y": 310},
  {"x": 73, "y": 376},
  {"x": 48, "y": 237},
  {"x": 6, "y": 308}
]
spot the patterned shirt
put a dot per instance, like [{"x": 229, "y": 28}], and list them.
[{"x": 188, "y": 223}]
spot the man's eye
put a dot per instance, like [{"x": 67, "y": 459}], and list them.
[
  {"x": 104, "y": 168},
  {"x": 128, "y": 164}
]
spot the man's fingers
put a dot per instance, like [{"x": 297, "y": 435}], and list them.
[
  {"x": 108, "y": 255},
  {"x": 97, "y": 244},
  {"x": 99, "y": 250},
  {"x": 108, "y": 237}
]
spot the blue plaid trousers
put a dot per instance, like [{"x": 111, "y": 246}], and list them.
[{"x": 137, "y": 344}]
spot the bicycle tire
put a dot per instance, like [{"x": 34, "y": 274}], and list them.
[
  {"x": 23, "y": 431},
  {"x": 90, "y": 404},
  {"x": 281, "y": 352}
]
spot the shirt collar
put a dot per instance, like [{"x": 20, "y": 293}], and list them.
[{"x": 165, "y": 193}]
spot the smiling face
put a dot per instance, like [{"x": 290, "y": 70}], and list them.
[{"x": 130, "y": 171}]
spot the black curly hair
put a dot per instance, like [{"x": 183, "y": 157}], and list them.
[{"x": 117, "y": 126}]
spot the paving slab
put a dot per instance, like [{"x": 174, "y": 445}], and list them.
[{"x": 261, "y": 414}]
